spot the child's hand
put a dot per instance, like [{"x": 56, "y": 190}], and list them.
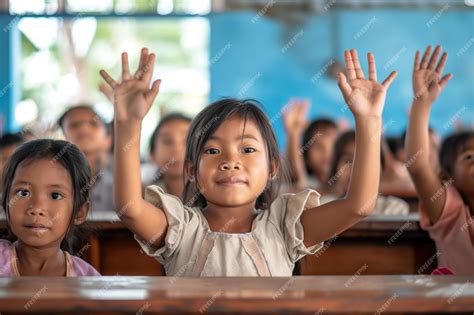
[
  {"x": 427, "y": 81},
  {"x": 133, "y": 96},
  {"x": 364, "y": 97},
  {"x": 294, "y": 117}
]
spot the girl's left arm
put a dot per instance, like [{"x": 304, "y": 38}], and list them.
[{"x": 365, "y": 98}]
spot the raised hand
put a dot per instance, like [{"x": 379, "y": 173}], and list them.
[
  {"x": 427, "y": 81},
  {"x": 364, "y": 97},
  {"x": 294, "y": 116},
  {"x": 132, "y": 95}
]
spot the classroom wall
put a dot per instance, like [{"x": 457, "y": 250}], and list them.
[{"x": 257, "y": 57}]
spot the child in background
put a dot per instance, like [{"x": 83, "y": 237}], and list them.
[
  {"x": 8, "y": 144},
  {"x": 82, "y": 126},
  {"x": 339, "y": 177},
  {"x": 167, "y": 148},
  {"x": 42, "y": 211},
  {"x": 230, "y": 224},
  {"x": 309, "y": 148},
  {"x": 446, "y": 197}
]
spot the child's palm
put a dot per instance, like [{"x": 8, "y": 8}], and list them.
[
  {"x": 365, "y": 97},
  {"x": 132, "y": 96},
  {"x": 427, "y": 81},
  {"x": 294, "y": 117}
]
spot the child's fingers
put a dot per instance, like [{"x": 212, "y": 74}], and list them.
[
  {"x": 444, "y": 80},
  {"x": 416, "y": 66},
  {"x": 108, "y": 79},
  {"x": 143, "y": 58},
  {"x": 424, "y": 60},
  {"x": 148, "y": 68},
  {"x": 351, "y": 74},
  {"x": 107, "y": 91},
  {"x": 441, "y": 63},
  {"x": 386, "y": 83},
  {"x": 343, "y": 85},
  {"x": 151, "y": 94},
  {"x": 125, "y": 68},
  {"x": 434, "y": 57},
  {"x": 355, "y": 59},
  {"x": 372, "y": 67}
]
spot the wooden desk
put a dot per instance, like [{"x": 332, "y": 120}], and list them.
[
  {"x": 378, "y": 245},
  {"x": 297, "y": 295}
]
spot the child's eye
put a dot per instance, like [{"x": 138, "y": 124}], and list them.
[
  {"x": 212, "y": 151},
  {"x": 56, "y": 196},
  {"x": 22, "y": 193},
  {"x": 248, "y": 150},
  {"x": 469, "y": 157}
]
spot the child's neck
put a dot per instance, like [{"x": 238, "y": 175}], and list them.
[
  {"x": 174, "y": 185},
  {"x": 49, "y": 261},
  {"x": 97, "y": 160},
  {"x": 230, "y": 219}
]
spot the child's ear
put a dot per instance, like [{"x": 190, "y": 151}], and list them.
[
  {"x": 189, "y": 170},
  {"x": 82, "y": 213},
  {"x": 275, "y": 168}
]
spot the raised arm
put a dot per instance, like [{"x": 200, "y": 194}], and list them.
[
  {"x": 133, "y": 98},
  {"x": 294, "y": 119},
  {"x": 427, "y": 86},
  {"x": 365, "y": 98}
]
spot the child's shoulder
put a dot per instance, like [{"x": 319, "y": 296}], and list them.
[
  {"x": 5, "y": 257},
  {"x": 81, "y": 268}
]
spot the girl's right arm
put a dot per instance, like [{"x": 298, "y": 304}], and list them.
[
  {"x": 427, "y": 86},
  {"x": 132, "y": 100}
]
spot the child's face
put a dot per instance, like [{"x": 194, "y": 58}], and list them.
[
  {"x": 85, "y": 129},
  {"x": 320, "y": 151},
  {"x": 234, "y": 166},
  {"x": 41, "y": 203},
  {"x": 464, "y": 169},
  {"x": 170, "y": 147}
]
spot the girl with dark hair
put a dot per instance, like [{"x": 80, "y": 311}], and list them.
[
  {"x": 45, "y": 195},
  {"x": 167, "y": 149},
  {"x": 446, "y": 197},
  {"x": 231, "y": 224}
]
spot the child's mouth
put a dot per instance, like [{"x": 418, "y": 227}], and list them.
[
  {"x": 231, "y": 181},
  {"x": 37, "y": 228}
]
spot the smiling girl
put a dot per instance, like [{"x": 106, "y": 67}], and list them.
[{"x": 231, "y": 224}]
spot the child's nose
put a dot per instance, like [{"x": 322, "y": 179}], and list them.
[
  {"x": 37, "y": 207},
  {"x": 37, "y": 211},
  {"x": 229, "y": 165}
]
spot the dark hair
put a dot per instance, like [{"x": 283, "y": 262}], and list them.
[
  {"x": 341, "y": 142},
  {"x": 311, "y": 131},
  {"x": 451, "y": 147},
  {"x": 61, "y": 120},
  {"x": 9, "y": 139},
  {"x": 163, "y": 121},
  {"x": 66, "y": 154},
  {"x": 207, "y": 122}
]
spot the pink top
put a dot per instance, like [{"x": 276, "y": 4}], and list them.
[
  {"x": 453, "y": 234},
  {"x": 75, "y": 266}
]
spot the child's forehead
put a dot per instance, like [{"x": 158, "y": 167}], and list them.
[
  {"x": 236, "y": 125},
  {"x": 82, "y": 113},
  {"x": 32, "y": 170}
]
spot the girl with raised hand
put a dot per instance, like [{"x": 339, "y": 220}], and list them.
[
  {"x": 446, "y": 197},
  {"x": 231, "y": 224}
]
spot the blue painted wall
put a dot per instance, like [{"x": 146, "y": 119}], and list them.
[
  {"x": 263, "y": 59},
  {"x": 9, "y": 72}
]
